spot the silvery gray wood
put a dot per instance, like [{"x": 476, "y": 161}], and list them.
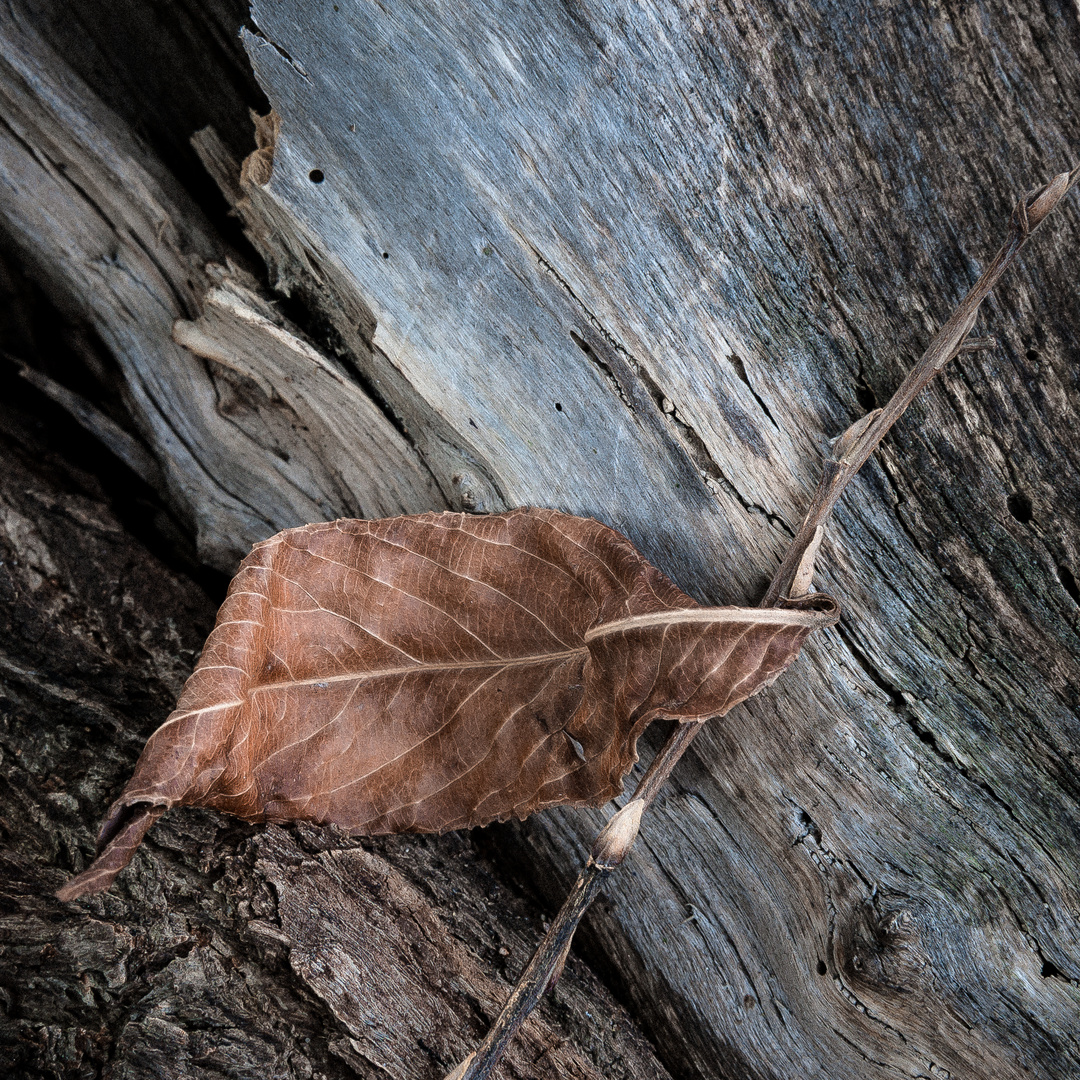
[
  {"x": 196, "y": 967},
  {"x": 768, "y": 212},
  {"x": 762, "y": 217},
  {"x": 123, "y": 247}
]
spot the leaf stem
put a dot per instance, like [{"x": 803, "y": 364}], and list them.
[{"x": 849, "y": 453}]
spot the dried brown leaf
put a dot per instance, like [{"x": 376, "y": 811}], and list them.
[{"x": 438, "y": 672}]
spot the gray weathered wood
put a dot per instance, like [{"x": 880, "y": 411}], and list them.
[
  {"x": 758, "y": 218},
  {"x": 752, "y": 219},
  {"x": 122, "y": 245},
  {"x": 200, "y": 966}
]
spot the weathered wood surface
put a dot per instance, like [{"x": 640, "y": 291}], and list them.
[
  {"x": 751, "y": 219},
  {"x": 122, "y": 244},
  {"x": 757, "y": 217},
  {"x": 227, "y": 951}
]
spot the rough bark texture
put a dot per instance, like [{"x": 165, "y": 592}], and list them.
[
  {"x": 229, "y": 951},
  {"x": 635, "y": 262}
]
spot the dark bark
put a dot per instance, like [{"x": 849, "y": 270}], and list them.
[{"x": 231, "y": 951}]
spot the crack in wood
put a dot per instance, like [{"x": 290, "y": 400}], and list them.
[
  {"x": 737, "y": 363},
  {"x": 646, "y": 400}
]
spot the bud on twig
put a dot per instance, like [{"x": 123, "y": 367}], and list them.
[{"x": 617, "y": 836}]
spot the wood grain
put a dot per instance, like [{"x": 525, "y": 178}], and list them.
[
  {"x": 123, "y": 248},
  {"x": 753, "y": 218},
  {"x": 753, "y": 213}
]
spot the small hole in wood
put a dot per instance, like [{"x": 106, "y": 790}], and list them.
[
  {"x": 1050, "y": 971},
  {"x": 386, "y": 254},
  {"x": 866, "y": 397},
  {"x": 1020, "y": 507},
  {"x": 316, "y": 176},
  {"x": 558, "y": 406},
  {"x": 1068, "y": 581},
  {"x": 821, "y": 968},
  {"x": 1032, "y": 354}
]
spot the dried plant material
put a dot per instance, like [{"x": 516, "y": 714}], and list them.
[
  {"x": 258, "y": 167},
  {"x": 618, "y": 835},
  {"x": 439, "y": 672}
]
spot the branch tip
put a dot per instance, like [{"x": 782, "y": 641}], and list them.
[{"x": 1032, "y": 210}]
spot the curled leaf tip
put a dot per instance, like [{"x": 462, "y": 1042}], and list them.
[{"x": 115, "y": 851}]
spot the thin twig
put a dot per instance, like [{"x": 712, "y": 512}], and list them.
[
  {"x": 849, "y": 452},
  {"x": 609, "y": 849}
]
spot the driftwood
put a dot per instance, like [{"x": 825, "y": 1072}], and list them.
[{"x": 633, "y": 263}]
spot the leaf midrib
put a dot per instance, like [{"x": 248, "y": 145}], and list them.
[{"x": 749, "y": 616}]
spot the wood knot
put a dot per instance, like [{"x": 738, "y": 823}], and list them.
[{"x": 878, "y": 950}]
